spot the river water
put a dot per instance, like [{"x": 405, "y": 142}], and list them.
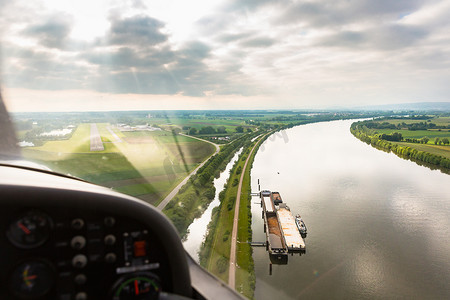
[
  {"x": 378, "y": 225},
  {"x": 197, "y": 230}
]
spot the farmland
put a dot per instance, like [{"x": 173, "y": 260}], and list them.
[
  {"x": 142, "y": 153},
  {"x": 145, "y": 164},
  {"x": 428, "y": 133},
  {"x": 422, "y": 138}
]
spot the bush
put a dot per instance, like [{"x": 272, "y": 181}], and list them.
[
  {"x": 226, "y": 235},
  {"x": 222, "y": 264}
]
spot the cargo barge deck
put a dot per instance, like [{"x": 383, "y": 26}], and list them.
[
  {"x": 275, "y": 243},
  {"x": 282, "y": 234}
]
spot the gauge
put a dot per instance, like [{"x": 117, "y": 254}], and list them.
[
  {"x": 32, "y": 279},
  {"x": 30, "y": 230},
  {"x": 136, "y": 286}
]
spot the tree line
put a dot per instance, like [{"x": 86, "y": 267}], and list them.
[
  {"x": 359, "y": 130},
  {"x": 199, "y": 191}
]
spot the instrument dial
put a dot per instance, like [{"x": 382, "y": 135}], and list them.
[
  {"x": 32, "y": 280},
  {"x": 137, "y": 286},
  {"x": 30, "y": 230}
]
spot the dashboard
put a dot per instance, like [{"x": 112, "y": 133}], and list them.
[{"x": 66, "y": 239}]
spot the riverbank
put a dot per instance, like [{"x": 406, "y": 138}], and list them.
[
  {"x": 215, "y": 250},
  {"x": 403, "y": 150},
  {"x": 194, "y": 197},
  {"x": 377, "y": 224}
]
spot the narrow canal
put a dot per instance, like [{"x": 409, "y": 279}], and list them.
[
  {"x": 197, "y": 229},
  {"x": 378, "y": 225}
]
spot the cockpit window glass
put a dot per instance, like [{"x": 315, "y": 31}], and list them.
[{"x": 184, "y": 103}]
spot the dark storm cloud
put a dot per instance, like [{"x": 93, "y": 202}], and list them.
[
  {"x": 52, "y": 33},
  {"x": 138, "y": 30}
]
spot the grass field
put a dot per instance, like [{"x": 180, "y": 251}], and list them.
[
  {"x": 433, "y": 149},
  {"x": 430, "y": 147},
  {"x": 435, "y": 153},
  {"x": 230, "y": 124},
  {"x": 418, "y": 134},
  {"x": 144, "y": 164}
]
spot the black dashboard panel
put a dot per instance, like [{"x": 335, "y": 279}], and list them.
[{"x": 67, "y": 239}]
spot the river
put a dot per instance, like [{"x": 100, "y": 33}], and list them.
[
  {"x": 378, "y": 225},
  {"x": 197, "y": 230}
]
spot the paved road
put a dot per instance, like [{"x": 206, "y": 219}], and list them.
[
  {"x": 175, "y": 191},
  {"x": 232, "y": 268}
]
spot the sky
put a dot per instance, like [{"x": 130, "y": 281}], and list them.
[{"x": 64, "y": 55}]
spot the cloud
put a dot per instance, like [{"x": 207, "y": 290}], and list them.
[
  {"x": 324, "y": 13},
  {"x": 250, "y": 5},
  {"x": 137, "y": 30},
  {"x": 51, "y": 33},
  {"x": 36, "y": 69},
  {"x": 389, "y": 37},
  {"x": 126, "y": 58},
  {"x": 231, "y": 37},
  {"x": 285, "y": 49},
  {"x": 258, "y": 42}
]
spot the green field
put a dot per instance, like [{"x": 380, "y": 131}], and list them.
[
  {"x": 418, "y": 134},
  {"x": 432, "y": 134},
  {"x": 230, "y": 124},
  {"x": 433, "y": 149},
  {"x": 146, "y": 164}
]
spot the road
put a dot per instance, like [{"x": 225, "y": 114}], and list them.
[
  {"x": 175, "y": 191},
  {"x": 232, "y": 268}
]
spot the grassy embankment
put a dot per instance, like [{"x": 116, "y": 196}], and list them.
[
  {"x": 195, "y": 196},
  {"x": 425, "y": 147},
  {"x": 215, "y": 251},
  {"x": 144, "y": 164}
]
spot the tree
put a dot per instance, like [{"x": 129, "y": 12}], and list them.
[
  {"x": 239, "y": 170},
  {"x": 193, "y": 131},
  {"x": 239, "y": 129},
  {"x": 436, "y": 141},
  {"x": 207, "y": 130},
  {"x": 221, "y": 129},
  {"x": 249, "y": 130},
  {"x": 445, "y": 141},
  {"x": 425, "y": 140}
]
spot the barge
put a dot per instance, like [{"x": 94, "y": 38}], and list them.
[
  {"x": 283, "y": 235},
  {"x": 292, "y": 237},
  {"x": 275, "y": 244}
]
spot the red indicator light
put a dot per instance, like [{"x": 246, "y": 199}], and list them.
[
  {"x": 139, "y": 248},
  {"x": 136, "y": 287}
]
